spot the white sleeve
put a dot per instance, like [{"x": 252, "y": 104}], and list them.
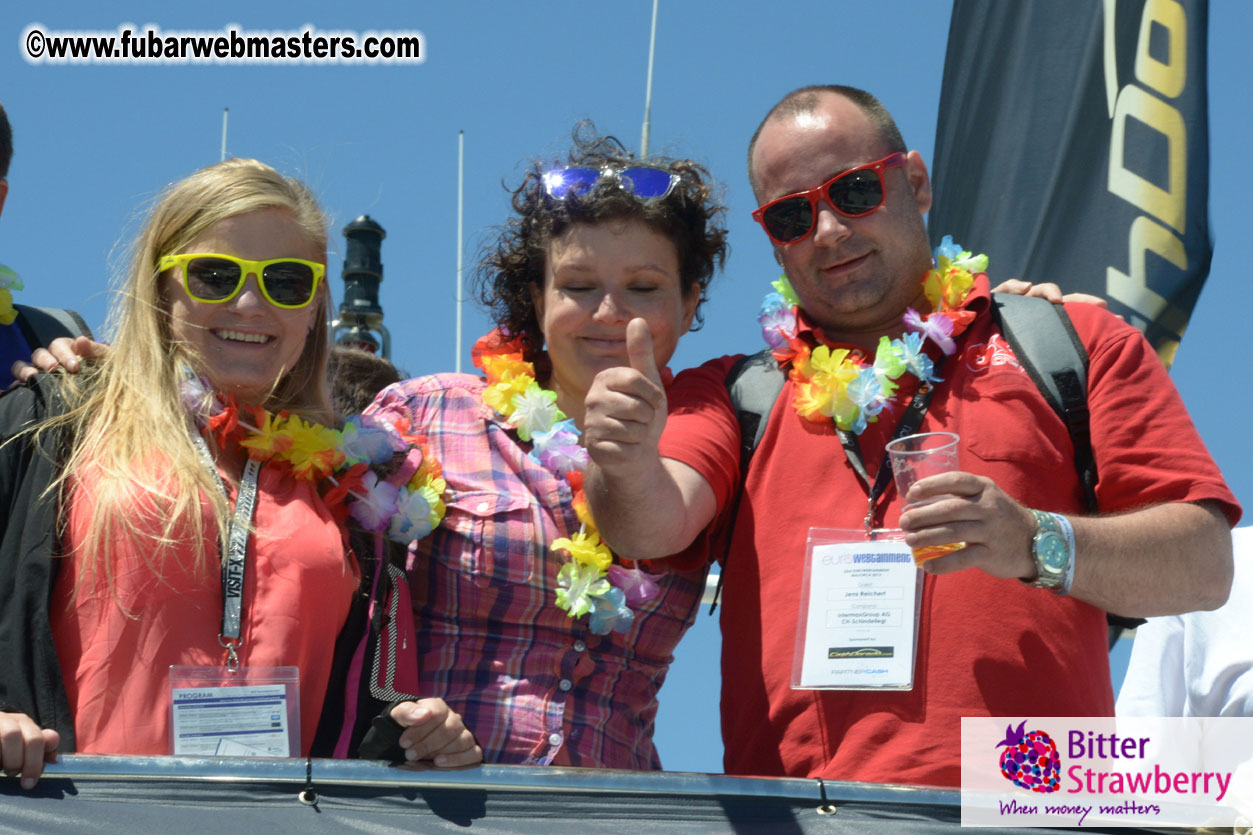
[
  {"x": 1155, "y": 684},
  {"x": 1198, "y": 664}
]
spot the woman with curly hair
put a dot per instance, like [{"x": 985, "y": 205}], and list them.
[{"x": 549, "y": 647}]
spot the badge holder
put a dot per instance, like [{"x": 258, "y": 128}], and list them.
[
  {"x": 859, "y": 612},
  {"x": 245, "y": 712}
]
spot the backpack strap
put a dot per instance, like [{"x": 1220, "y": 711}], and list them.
[
  {"x": 1050, "y": 351},
  {"x": 41, "y": 325},
  {"x": 754, "y": 383},
  {"x": 1046, "y": 345}
]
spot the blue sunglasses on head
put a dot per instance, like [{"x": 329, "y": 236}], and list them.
[{"x": 643, "y": 181}]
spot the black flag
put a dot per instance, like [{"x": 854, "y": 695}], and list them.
[{"x": 1073, "y": 147}]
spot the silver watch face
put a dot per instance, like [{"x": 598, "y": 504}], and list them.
[{"x": 1051, "y": 550}]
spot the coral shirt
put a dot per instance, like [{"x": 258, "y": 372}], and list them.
[
  {"x": 116, "y": 645},
  {"x": 987, "y": 647}
]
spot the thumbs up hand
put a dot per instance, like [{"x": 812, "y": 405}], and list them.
[
  {"x": 639, "y": 343},
  {"x": 625, "y": 409}
]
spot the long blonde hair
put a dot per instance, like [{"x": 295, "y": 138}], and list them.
[{"x": 127, "y": 420}]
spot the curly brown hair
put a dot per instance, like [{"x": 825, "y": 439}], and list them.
[{"x": 690, "y": 216}]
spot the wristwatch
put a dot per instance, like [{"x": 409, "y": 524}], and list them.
[{"x": 1051, "y": 550}]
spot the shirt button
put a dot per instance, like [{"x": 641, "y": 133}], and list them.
[
  {"x": 565, "y": 684},
  {"x": 554, "y": 739},
  {"x": 483, "y": 507},
  {"x": 579, "y": 646}
]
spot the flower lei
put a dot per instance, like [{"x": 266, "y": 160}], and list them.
[
  {"x": 589, "y": 583},
  {"x": 9, "y": 282},
  {"x": 377, "y": 471},
  {"x": 836, "y": 384}
]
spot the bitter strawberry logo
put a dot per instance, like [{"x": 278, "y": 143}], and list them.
[{"x": 1030, "y": 759}]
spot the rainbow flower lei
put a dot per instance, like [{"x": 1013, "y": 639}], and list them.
[
  {"x": 834, "y": 383},
  {"x": 589, "y": 583},
  {"x": 375, "y": 469},
  {"x": 9, "y": 282}
]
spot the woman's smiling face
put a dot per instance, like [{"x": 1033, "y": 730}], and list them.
[
  {"x": 244, "y": 346},
  {"x": 598, "y": 277}
]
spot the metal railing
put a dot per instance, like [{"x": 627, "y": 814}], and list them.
[{"x": 220, "y": 795}]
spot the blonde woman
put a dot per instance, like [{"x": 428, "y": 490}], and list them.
[{"x": 147, "y": 556}]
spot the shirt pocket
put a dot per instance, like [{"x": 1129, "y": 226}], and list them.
[
  {"x": 498, "y": 537},
  {"x": 1014, "y": 425}
]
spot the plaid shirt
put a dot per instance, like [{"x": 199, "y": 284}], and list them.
[{"x": 532, "y": 684}]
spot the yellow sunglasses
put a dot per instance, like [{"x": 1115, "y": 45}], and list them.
[{"x": 215, "y": 278}]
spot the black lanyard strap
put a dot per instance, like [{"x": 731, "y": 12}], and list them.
[{"x": 909, "y": 424}]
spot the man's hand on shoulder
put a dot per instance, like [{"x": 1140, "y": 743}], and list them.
[
  {"x": 62, "y": 352},
  {"x": 1046, "y": 290}
]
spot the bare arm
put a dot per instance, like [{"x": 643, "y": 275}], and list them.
[
  {"x": 654, "y": 515},
  {"x": 1163, "y": 559},
  {"x": 645, "y": 506}
]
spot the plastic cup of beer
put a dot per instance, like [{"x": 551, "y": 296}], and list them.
[{"x": 915, "y": 457}]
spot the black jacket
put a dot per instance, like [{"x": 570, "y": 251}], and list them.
[{"x": 30, "y": 676}]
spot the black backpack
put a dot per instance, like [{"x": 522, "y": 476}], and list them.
[
  {"x": 41, "y": 325},
  {"x": 1046, "y": 345}
]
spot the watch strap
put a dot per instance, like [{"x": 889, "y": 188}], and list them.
[
  {"x": 1069, "y": 532},
  {"x": 1052, "y": 531}
]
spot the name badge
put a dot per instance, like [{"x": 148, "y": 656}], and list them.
[
  {"x": 249, "y": 712},
  {"x": 858, "y": 624}
]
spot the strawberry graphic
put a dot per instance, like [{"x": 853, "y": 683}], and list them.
[{"x": 1030, "y": 759}]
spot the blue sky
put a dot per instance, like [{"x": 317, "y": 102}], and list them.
[{"x": 94, "y": 143}]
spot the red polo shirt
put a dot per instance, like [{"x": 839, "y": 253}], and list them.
[{"x": 987, "y": 647}]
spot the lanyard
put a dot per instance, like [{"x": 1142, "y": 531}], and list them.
[
  {"x": 234, "y": 552},
  {"x": 911, "y": 420}
]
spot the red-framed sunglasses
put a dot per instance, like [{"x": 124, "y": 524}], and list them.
[{"x": 853, "y": 193}]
